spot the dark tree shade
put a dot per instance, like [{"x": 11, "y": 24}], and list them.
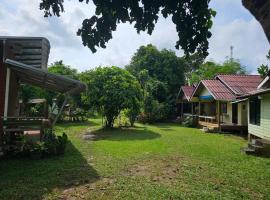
[{"x": 192, "y": 19}]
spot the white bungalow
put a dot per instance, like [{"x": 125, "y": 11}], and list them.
[{"x": 216, "y": 97}]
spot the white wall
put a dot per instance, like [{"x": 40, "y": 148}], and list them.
[
  {"x": 243, "y": 113},
  {"x": 204, "y": 92},
  {"x": 263, "y": 130}
]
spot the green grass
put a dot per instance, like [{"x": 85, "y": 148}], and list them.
[{"x": 162, "y": 161}]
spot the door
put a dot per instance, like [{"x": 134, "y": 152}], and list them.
[{"x": 234, "y": 113}]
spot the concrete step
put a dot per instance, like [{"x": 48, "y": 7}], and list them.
[
  {"x": 248, "y": 150},
  {"x": 260, "y": 147},
  {"x": 254, "y": 146}
]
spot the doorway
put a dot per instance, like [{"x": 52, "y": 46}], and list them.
[{"x": 235, "y": 113}]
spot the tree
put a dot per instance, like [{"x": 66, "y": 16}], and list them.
[
  {"x": 264, "y": 69},
  {"x": 111, "y": 90},
  {"x": 210, "y": 69},
  {"x": 260, "y": 10},
  {"x": 163, "y": 66},
  {"x": 191, "y": 64},
  {"x": 160, "y": 74},
  {"x": 59, "y": 67},
  {"x": 192, "y": 19}
]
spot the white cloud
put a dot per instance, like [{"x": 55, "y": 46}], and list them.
[
  {"x": 232, "y": 26},
  {"x": 247, "y": 37}
]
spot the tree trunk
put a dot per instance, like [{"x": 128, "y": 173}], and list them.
[{"x": 260, "y": 9}]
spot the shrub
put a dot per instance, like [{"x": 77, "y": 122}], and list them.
[
  {"x": 191, "y": 122},
  {"x": 54, "y": 145},
  {"x": 50, "y": 145}
]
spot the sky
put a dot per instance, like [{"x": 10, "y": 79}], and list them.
[{"x": 233, "y": 26}]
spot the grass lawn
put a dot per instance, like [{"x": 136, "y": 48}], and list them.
[{"x": 162, "y": 161}]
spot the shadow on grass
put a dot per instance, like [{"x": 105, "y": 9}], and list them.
[
  {"x": 121, "y": 134},
  {"x": 33, "y": 179},
  {"x": 76, "y": 124}
]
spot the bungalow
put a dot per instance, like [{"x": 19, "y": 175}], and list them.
[
  {"x": 186, "y": 107},
  {"x": 215, "y": 97},
  {"x": 258, "y": 102}
]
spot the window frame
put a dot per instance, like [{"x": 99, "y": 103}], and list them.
[
  {"x": 255, "y": 111},
  {"x": 224, "y": 108}
]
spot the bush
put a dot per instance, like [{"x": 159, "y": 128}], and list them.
[
  {"x": 54, "y": 145},
  {"x": 50, "y": 145},
  {"x": 154, "y": 111},
  {"x": 191, "y": 122}
]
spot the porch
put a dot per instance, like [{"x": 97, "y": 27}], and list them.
[
  {"x": 188, "y": 109},
  {"x": 224, "y": 127}
]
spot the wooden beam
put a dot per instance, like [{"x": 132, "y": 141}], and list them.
[{"x": 60, "y": 111}]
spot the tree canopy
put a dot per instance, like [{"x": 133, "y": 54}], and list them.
[
  {"x": 210, "y": 69},
  {"x": 192, "y": 18},
  {"x": 162, "y": 65},
  {"x": 59, "y": 67},
  {"x": 160, "y": 73},
  {"x": 264, "y": 68},
  {"x": 112, "y": 91}
]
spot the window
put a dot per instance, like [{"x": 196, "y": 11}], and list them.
[
  {"x": 223, "y": 108},
  {"x": 255, "y": 111}
]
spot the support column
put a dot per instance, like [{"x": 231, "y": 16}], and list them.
[
  {"x": 199, "y": 108},
  {"x": 199, "y": 111},
  {"x": 218, "y": 115},
  {"x": 7, "y": 93},
  {"x": 182, "y": 109},
  {"x": 2, "y": 89}
]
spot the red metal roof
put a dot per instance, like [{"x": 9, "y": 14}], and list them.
[
  {"x": 218, "y": 90},
  {"x": 240, "y": 84},
  {"x": 188, "y": 91},
  {"x": 255, "y": 93}
]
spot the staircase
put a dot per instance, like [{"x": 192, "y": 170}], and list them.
[{"x": 259, "y": 147}]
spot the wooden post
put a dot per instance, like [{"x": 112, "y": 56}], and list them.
[
  {"x": 46, "y": 112},
  {"x": 218, "y": 115},
  {"x": 60, "y": 111},
  {"x": 199, "y": 107},
  {"x": 199, "y": 111},
  {"x": 182, "y": 109}
]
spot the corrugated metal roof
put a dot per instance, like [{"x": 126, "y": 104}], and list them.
[
  {"x": 218, "y": 90},
  {"x": 44, "y": 79},
  {"x": 240, "y": 84},
  {"x": 32, "y": 51},
  {"x": 188, "y": 91},
  {"x": 255, "y": 93}
]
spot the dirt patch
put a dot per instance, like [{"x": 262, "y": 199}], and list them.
[
  {"x": 100, "y": 187},
  {"x": 160, "y": 170}
]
